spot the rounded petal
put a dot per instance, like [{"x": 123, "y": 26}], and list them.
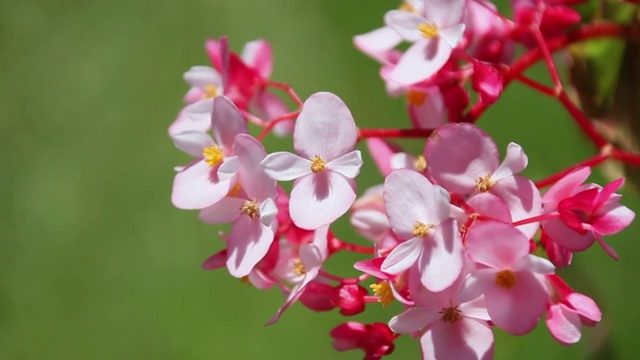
[
  {"x": 402, "y": 256},
  {"x": 564, "y": 324},
  {"x": 268, "y": 212},
  {"x": 614, "y": 219},
  {"x": 445, "y": 12},
  {"x": 253, "y": 178},
  {"x": 196, "y": 188},
  {"x": 285, "y": 166},
  {"x": 405, "y": 24},
  {"x": 421, "y": 61},
  {"x": 199, "y": 113},
  {"x": 226, "y": 122},
  {"x": 564, "y": 188},
  {"x": 192, "y": 142},
  {"x": 452, "y": 34},
  {"x": 222, "y": 212},
  {"x": 431, "y": 113},
  {"x": 523, "y": 199},
  {"x": 348, "y": 165},
  {"x": 441, "y": 260},
  {"x": 257, "y": 54},
  {"x": 202, "y": 76},
  {"x": 489, "y": 205},
  {"x": 229, "y": 168},
  {"x": 184, "y": 123},
  {"x": 584, "y": 306},
  {"x": 534, "y": 264},
  {"x": 319, "y": 199},
  {"x": 325, "y": 127},
  {"x": 515, "y": 161},
  {"x": 378, "y": 42},
  {"x": 496, "y": 244},
  {"x": 564, "y": 236},
  {"x": 413, "y": 320},
  {"x": 458, "y": 155},
  {"x": 247, "y": 244},
  {"x": 466, "y": 339}
]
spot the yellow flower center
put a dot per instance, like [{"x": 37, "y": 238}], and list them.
[
  {"x": 421, "y": 229},
  {"x": 407, "y": 7},
  {"x": 416, "y": 97},
  {"x": 212, "y": 155},
  {"x": 210, "y": 91},
  {"x": 429, "y": 30},
  {"x": 383, "y": 291},
  {"x": 506, "y": 279},
  {"x": 317, "y": 164},
  {"x": 420, "y": 164},
  {"x": 250, "y": 208},
  {"x": 298, "y": 267},
  {"x": 451, "y": 314},
  {"x": 485, "y": 184}
]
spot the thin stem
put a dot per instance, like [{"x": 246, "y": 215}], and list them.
[
  {"x": 543, "y": 217},
  {"x": 394, "y": 133},
  {"x": 536, "y": 85},
  {"x": 626, "y": 157},
  {"x": 287, "y": 89},
  {"x": 354, "y": 248},
  {"x": 275, "y": 121},
  {"x": 590, "y": 162}
]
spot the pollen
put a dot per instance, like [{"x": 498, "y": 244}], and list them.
[
  {"x": 383, "y": 291},
  {"x": 420, "y": 164},
  {"x": 421, "y": 229},
  {"x": 416, "y": 97},
  {"x": 250, "y": 208},
  {"x": 451, "y": 314},
  {"x": 210, "y": 91},
  {"x": 485, "y": 184},
  {"x": 298, "y": 267},
  {"x": 213, "y": 155},
  {"x": 408, "y": 8},
  {"x": 429, "y": 30},
  {"x": 506, "y": 279},
  {"x": 317, "y": 164}
]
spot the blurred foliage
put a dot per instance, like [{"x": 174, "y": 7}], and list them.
[{"x": 97, "y": 264}]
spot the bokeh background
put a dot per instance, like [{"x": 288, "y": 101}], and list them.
[{"x": 95, "y": 263}]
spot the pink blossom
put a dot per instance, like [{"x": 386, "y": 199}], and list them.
[
  {"x": 486, "y": 81},
  {"x": 419, "y": 213},
  {"x": 369, "y": 219},
  {"x": 375, "y": 339},
  {"x": 326, "y": 164},
  {"x": 509, "y": 277},
  {"x": 251, "y": 210},
  {"x": 434, "y": 36},
  {"x": 210, "y": 177},
  {"x": 488, "y": 32},
  {"x": 568, "y": 311}
]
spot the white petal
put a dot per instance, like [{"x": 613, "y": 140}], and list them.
[
  {"x": 192, "y": 142},
  {"x": 348, "y": 164},
  {"x": 285, "y": 166}
]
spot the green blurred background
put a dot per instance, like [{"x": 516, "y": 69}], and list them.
[{"x": 97, "y": 264}]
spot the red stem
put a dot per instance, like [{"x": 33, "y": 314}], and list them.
[
  {"x": 394, "y": 133},
  {"x": 591, "y": 162},
  {"x": 543, "y": 217}
]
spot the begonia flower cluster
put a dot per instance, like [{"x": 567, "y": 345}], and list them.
[{"x": 456, "y": 234}]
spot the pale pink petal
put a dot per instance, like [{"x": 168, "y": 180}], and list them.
[
  {"x": 268, "y": 212},
  {"x": 193, "y": 94},
  {"x": 584, "y": 306},
  {"x": 564, "y": 188},
  {"x": 466, "y": 339},
  {"x": 382, "y": 151},
  {"x": 413, "y": 320},
  {"x": 260, "y": 280},
  {"x": 523, "y": 199},
  {"x": 616, "y": 217},
  {"x": 515, "y": 161},
  {"x": 248, "y": 243},
  {"x": 285, "y": 166},
  {"x": 202, "y": 76},
  {"x": 254, "y": 180},
  {"x": 325, "y": 127},
  {"x": 496, "y": 244},
  {"x": 445, "y": 12},
  {"x": 476, "y": 309},
  {"x": 226, "y": 122},
  {"x": 457, "y": 164},
  {"x": 184, "y": 123},
  {"x": 348, "y": 164},
  {"x": 229, "y": 168},
  {"x": 402, "y": 161},
  {"x": 564, "y": 324},
  {"x": 215, "y": 261},
  {"x": 405, "y": 24},
  {"x": 491, "y": 206},
  {"x": 222, "y": 212},
  {"x": 476, "y": 284},
  {"x": 517, "y": 310},
  {"x": 199, "y": 113},
  {"x": 421, "y": 61},
  {"x": 452, "y": 34},
  {"x": 319, "y": 199},
  {"x": 409, "y": 198},
  {"x": 568, "y": 238},
  {"x": 441, "y": 260},
  {"x": 431, "y": 113},
  {"x": 192, "y": 142},
  {"x": 378, "y": 42},
  {"x": 194, "y": 188},
  {"x": 213, "y": 48},
  {"x": 534, "y": 264},
  {"x": 257, "y": 54},
  {"x": 371, "y": 223},
  {"x": 403, "y": 256}
]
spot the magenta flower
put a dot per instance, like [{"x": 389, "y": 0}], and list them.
[
  {"x": 510, "y": 278},
  {"x": 434, "y": 37},
  {"x": 324, "y": 137},
  {"x": 376, "y": 339},
  {"x": 419, "y": 213},
  {"x": 211, "y": 176},
  {"x": 251, "y": 210}
]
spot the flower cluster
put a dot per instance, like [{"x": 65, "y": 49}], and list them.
[{"x": 459, "y": 237}]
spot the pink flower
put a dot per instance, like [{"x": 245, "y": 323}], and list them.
[
  {"x": 434, "y": 36},
  {"x": 509, "y": 277},
  {"x": 324, "y": 137},
  {"x": 587, "y": 212},
  {"x": 568, "y": 311},
  {"x": 252, "y": 210},
  {"x": 419, "y": 212},
  {"x": 375, "y": 339},
  {"x": 369, "y": 218},
  {"x": 211, "y": 176}
]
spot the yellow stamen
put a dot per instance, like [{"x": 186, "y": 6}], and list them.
[
  {"x": 416, "y": 97},
  {"x": 451, "y": 314},
  {"x": 383, "y": 291},
  {"x": 506, "y": 279},
  {"x": 407, "y": 7},
  {"x": 420, "y": 164},
  {"x": 210, "y": 91},
  {"x": 298, "y": 267},
  {"x": 485, "y": 184},
  {"x": 421, "y": 229},
  {"x": 428, "y": 30},
  {"x": 245, "y": 280},
  {"x": 317, "y": 164},
  {"x": 212, "y": 155},
  {"x": 250, "y": 208},
  {"x": 235, "y": 190}
]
